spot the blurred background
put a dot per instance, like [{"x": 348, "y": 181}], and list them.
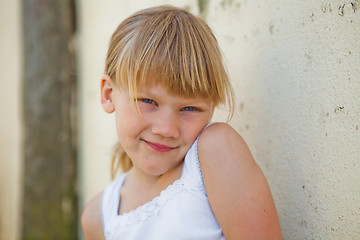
[{"x": 295, "y": 69}]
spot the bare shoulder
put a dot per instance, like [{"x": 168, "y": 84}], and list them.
[
  {"x": 91, "y": 221},
  {"x": 237, "y": 189},
  {"x": 220, "y": 142},
  {"x": 221, "y": 133}
]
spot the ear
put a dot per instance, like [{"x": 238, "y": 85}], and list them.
[{"x": 107, "y": 91}]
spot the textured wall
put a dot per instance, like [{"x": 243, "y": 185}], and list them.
[
  {"x": 295, "y": 68},
  {"x": 295, "y": 65}
]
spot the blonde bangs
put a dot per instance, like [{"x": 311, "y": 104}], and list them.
[{"x": 173, "y": 49}]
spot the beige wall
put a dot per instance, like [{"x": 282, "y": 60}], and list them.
[
  {"x": 294, "y": 66},
  {"x": 10, "y": 128}
]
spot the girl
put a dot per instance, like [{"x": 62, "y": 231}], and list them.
[{"x": 185, "y": 178}]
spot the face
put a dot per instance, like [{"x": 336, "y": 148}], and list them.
[{"x": 159, "y": 139}]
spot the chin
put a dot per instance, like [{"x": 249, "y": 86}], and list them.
[{"x": 154, "y": 170}]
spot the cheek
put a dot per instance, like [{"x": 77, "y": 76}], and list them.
[
  {"x": 194, "y": 129},
  {"x": 124, "y": 114},
  {"x": 127, "y": 124}
]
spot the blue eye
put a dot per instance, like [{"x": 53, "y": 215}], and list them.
[
  {"x": 189, "y": 109},
  {"x": 149, "y": 101}
]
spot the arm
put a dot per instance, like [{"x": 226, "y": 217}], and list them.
[
  {"x": 237, "y": 190},
  {"x": 91, "y": 222}
]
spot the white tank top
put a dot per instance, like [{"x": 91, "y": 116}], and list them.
[{"x": 181, "y": 211}]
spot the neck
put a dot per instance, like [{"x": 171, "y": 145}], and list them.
[{"x": 138, "y": 179}]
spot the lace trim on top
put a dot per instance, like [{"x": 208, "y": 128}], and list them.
[{"x": 152, "y": 207}]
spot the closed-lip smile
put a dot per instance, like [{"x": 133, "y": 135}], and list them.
[{"x": 159, "y": 147}]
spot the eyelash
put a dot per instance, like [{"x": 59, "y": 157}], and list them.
[
  {"x": 189, "y": 109},
  {"x": 185, "y": 109},
  {"x": 148, "y": 101}
]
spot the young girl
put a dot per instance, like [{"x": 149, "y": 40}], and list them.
[{"x": 185, "y": 178}]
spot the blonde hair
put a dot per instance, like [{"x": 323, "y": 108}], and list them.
[{"x": 173, "y": 48}]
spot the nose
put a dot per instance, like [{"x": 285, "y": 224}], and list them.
[{"x": 167, "y": 125}]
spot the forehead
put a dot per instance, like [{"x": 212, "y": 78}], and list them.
[{"x": 159, "y": 89}]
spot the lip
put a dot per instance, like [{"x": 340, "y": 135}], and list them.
[{"x": 159, "y": 147}]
